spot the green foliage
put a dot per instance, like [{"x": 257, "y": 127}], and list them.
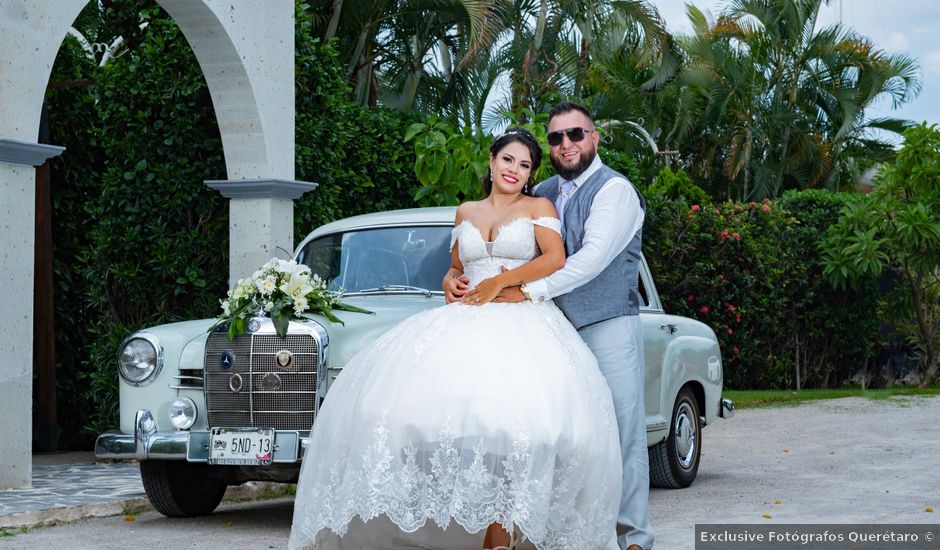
[
  {"x": 449, "y": 163},
  {"x": 750, "y": 271},
  {"x": 354, "y": 153},
  {"x": 75, "y": 177},
  {"x": 833, "y": 328},
  {"x": 158, "y": 238},
  {"x": 897, "y": 228},
  {"x": 628, "y": 165},
  {"x": 139, "y": 239},
  {"x": 677, "y": 185}
]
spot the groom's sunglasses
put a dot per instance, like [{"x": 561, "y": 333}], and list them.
[{"x": 574, "y": 134}]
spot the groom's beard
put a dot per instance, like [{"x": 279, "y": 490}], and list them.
[{"x": 585, "y": 158}]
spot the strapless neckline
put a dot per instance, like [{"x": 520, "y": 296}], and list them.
[{"x": 498, "y": 228}]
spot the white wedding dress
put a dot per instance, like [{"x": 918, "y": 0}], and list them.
[{"x": 462, "y": 416}]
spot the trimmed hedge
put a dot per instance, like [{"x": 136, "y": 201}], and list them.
[
  {"x": 354, "y": 153},
  {"x": 139, "y": 239},
  {"x": 753, "y": 273}
]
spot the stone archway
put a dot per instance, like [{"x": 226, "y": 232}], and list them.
[{"x": 246, "y": 52}]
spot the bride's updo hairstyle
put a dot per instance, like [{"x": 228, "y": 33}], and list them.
[{"x": 525, "y": 137}]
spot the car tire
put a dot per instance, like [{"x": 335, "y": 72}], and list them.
[
  {"x": 178, "y": 489},
  {"x": 674, "y": 462}
]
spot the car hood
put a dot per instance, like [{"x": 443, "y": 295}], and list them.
[
  {"x": 360, "y": 329},
  {"x": 185, "y": 341}
]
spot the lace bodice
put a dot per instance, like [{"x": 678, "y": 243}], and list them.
[{"x": 513, "y": 246}]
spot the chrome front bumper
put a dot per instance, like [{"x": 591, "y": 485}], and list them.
[
  {"x": 147, "y": 443},
  {"x": 725, "y": 408}
]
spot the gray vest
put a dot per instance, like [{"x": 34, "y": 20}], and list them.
[{"x": 613, "y": 293}]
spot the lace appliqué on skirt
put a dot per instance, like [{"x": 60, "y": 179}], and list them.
[{"x": 464, "y": 480}]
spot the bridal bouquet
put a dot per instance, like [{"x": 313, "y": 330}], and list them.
[{"x": 283, "y": 290}]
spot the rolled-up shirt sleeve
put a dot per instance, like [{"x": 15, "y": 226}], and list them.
[{"x": 615, "y": 218}]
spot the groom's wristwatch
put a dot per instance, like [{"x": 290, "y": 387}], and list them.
[{"x": 525, "y": 292}]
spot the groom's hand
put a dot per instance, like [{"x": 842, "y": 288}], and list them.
[
  {"x": 454, "y": 289},
  {"x": 510, "y": 294}
]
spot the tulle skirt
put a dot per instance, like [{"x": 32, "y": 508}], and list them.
[{"x": 461, "y": 417}]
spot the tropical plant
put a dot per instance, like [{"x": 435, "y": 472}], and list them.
[
  {"x": 897, "y": 229},
  {"x": 390, "y": 46},
  {"x": 768, "y": 101},
  {"x": 450, "y": 163}
]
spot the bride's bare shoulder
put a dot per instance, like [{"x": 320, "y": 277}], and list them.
[
  {"x": 466, "y": 210},
  {"x": 540, "y": 207}
]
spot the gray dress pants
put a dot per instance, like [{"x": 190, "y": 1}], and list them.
[{"x": 618, "y": 345}]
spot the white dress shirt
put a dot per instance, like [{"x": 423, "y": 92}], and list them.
[{"x": 615, "y": 217}]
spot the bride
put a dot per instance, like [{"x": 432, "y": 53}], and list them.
[{"x": 477, "y": 424}]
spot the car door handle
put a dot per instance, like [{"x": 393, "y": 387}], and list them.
[{"x": 670, "y": 328}]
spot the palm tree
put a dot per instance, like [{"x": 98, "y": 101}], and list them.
[
  {"x": 777, "y": 103},
  {"x": 390, "y": 45}
]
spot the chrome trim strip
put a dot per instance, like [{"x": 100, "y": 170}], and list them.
[
  {"x": 289, "y": 446},
  {"x": 279, "y": 392},
  {"x": 726, "y": 408},
  {"x": 144, "y": 429},
  {"x": 426, "y": 293},
  {"x": 656, "y": 426},
  {"x": 284, "y": 412}
]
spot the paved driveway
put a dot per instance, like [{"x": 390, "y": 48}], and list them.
[{"x": 842, "y": 461}]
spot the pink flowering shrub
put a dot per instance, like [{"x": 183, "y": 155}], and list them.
[{"x": 751, "y": 272}]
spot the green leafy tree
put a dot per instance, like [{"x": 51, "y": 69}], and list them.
[
  {"x": 450, "y": 163},
  {"x": 352, "y": 151},
  {"x": 677, "y": 185},
  {"x": 770, "y": 101},
  {"x": 898, "y": 229}
]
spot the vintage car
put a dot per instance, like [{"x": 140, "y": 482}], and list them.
[{"x": 201, "y": 412}]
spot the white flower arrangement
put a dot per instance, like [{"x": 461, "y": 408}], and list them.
[{"x": 281, "y": 289}]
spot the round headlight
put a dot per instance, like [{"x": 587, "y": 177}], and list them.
[
  {"x": 182, "y": 413},
  {"x": 140, "y": 359}
]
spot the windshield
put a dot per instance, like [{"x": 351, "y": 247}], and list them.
[{"x": 373, "y": 258}]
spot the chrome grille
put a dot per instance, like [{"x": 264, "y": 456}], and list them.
[{"x": 292, "y": 406}]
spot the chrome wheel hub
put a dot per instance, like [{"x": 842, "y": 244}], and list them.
[{"x": 685, "y": 435}]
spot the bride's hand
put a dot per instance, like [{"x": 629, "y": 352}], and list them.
[{"x": 484, "y": 292}]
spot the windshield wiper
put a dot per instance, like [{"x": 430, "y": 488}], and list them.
[{"x": 394, "y": 288}]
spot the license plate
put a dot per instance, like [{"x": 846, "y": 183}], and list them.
[{"x": 241, "y": 446}]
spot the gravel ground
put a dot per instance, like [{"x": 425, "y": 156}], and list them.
[{"x": 848, "y": 460}]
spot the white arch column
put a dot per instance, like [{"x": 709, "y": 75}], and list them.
[
  {"x": 246, "y": 52},
  {"x": 31, "y": 32}
]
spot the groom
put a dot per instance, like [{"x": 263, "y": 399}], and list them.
[{"x": 602, "y": 219}]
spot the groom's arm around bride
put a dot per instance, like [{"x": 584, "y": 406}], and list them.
[{"x": 602, "y": 218}]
